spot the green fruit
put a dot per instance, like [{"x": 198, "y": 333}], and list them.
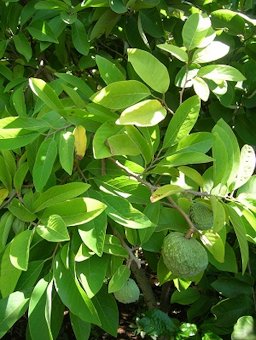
[
  {"x": 184, "y": 257},
  {"x": 201, "y": 216},
  {"x": 128, "y": 293}
]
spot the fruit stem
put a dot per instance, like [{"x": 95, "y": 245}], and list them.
[{"x": 192, "y": 228}]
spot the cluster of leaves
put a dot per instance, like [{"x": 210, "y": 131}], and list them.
[{"x": 166, "y": 93}]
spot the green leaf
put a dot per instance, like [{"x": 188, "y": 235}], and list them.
[
  {"x": 225, "y": 18},
  {"x": 44, "y": 91},
  {"x": 44, "y": 162},
  {"x": 19, "y": 103},
  {"x": 229, "y": 264},
  {"x": 19, "y": 176},
  {"x": 22, "y": 45},
  {"x": 226, "y": 154},
  {"x": 125, "y": 187},
  {"x": 192, "y": 174},
  {"x": 175, "y": 51},
  {"x": 137, "y": 137},
  {"x": 164, "y": 191},
  {"x": 195, "y": 32},
  {"x": 121, "y": 94},
  {"x": 12, "y": 138},
  {"x": 106, "y": 130},
  {"x": 20, "y": 211},
  {"x": 146, "y": 113},
  {"x": 215, "y": 245},
  {"x": 59, "y": 193},
  {"x": 201, "y": 88},
  {"x": 239, "y": 227},
  {"x": 219, "y": 215},
  {"x": 91, "y": 273},
  {"x": 244, "y": 328},
  {"x": 150, "y": 69},
  {"x": 215, "y": 50},
  {"x": 107, "y": 310},
  {"x": 109, "y": 72},
  {"x": 246, "y": 166},
  {"x": 9, "y": 275},
  {"x": 5, "y": 176},
  {"x": 12, "y": 309},
  {"x": 183, "y": 121},
  {"x": 117, "y": 6},
  {"x": 71, "y": 293},
  {"x": 121, "y": 144},
  {"x": 66, "y": 151},
  {"x": 55, "y": 230},
  {"x": 19, "y": 249},
  {"x": 75, "y": 211},
  {"x": 119, "y": 278},
  {"x": 80, "y": 38},
  {"x": 181, "y": 158},
  {"x": 185, "y": 297},
  {"x": 39, "y": 312},
  {"x": 80, "y": 328},
  {"x": 113, "y": 246},
  {"x": 40, "y": 30},
  {"x": 76, "y": 82},
  {"x": 220, "y": 72},
  {"x": 93, "y": 233},
  {"x": 122, "y": 212}
]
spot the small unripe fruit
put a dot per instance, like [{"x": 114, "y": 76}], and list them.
[
  {"x": 184, "y": 257},
  {"x": 129, "y": 293},
  {"x": 201, "y": 216}
]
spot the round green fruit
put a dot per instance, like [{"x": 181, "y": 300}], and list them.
[
  {"x": 128, "y": 293},
  {"x": 184, "y": 257},
  {"x": 201, "y": 216}
]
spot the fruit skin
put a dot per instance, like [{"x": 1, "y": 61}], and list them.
[
  {"x": 129, "y": 293},
  {"x": 184, "y": 257},
  {"x": 201, "y": 216}
]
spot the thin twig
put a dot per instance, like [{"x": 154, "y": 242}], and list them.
[
  {"x": 133, "y": 174},
  {"x": 192, "y": 228}
]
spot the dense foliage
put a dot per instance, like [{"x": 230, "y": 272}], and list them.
[{"x": 117, "y": 118}]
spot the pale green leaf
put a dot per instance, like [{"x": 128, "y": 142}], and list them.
[
  {"x": 75, "y": 211},
  {"x": 146, "y": 113},
  {"x": 121, "y": 94},
  {"x": 215, "y": 50},
  {"x": 55, "y": 230},
  {"x": 196, "y": 31},
  {"x": 165, "y": 191},
  {"x": 201, "y": 88},
  {"x": 121, "y": 144},
  {"x": 142, "y": 61},
  {"x": 175, "y": 51},
  {"x": 246, "y": 166},
  {"x": 220, "y": 72}
]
